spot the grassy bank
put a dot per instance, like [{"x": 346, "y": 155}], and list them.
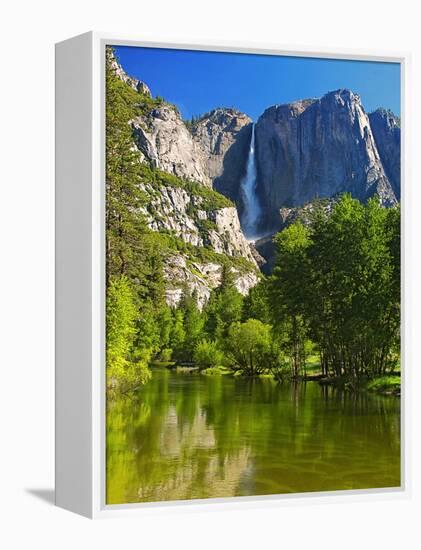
[
  {"x": 389, "y": 384},
  {"x": 386, "y": 385}
]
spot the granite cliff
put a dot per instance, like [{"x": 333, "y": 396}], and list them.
[
  {"x": 386, "y": 128},
  {"x": 211, "y": 150},
  {"x": 318, "y": 148},
  {"x": 205, "y": 237},
  {"x": 224, "y": 136},
  {"x": 166, "y": 143}
]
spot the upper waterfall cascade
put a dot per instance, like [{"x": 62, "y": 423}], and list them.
[{"x": 252, "y": 210}]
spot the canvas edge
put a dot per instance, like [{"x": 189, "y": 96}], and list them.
[{"x": 73, "y": 253}]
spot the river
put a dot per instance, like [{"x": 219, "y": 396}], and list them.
[{"x": 187, "y": 436}]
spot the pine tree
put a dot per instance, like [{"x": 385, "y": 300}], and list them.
[{"x": 124, "y": 198}]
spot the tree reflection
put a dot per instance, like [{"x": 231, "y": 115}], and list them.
[{"x": 189, "y": 436}]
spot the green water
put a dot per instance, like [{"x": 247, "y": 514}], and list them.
[{"x": 186, "y": 436}]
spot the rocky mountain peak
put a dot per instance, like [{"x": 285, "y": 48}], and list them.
[
  {"x": 318, "y": 148},
  {"x": 342, "y": 97},
  {"x": 227, "y": 119},
  {"x": 284, "y": 111},
  {"x": 346, "y": 103},
  {"x": 134, "y": 83}
]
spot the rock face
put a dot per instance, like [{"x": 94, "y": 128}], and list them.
[
  {"x": 175, "y": 210},
  {"x": 224, "y": 136},
  {"x": 177, "y": 270},
  {"x": 167, "y": 211},
  {"x": 386, "y": 130},
  {"x": 227, "y": 238},
  {"x": 212, "y": 151},
  {"x": 200, "y": 278},
  {"x": 317, "y": 148},
  {"x": 266, "y": 249},
  {"x": 216, "y": 132},
  {"x": 166, "y": 142}
]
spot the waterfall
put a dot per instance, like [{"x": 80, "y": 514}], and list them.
[{"x": 251, "y": 205}]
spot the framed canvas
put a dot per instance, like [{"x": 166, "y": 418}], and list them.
[{"x": 229, "y": 291}]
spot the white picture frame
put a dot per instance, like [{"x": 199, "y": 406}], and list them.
[{"x": 80, "y": 277}]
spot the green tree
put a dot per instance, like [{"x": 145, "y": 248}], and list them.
[
  {"x": 250, "y": 347},
  {"x": 224, "y": 307},
  {"x": 165, "y": 323},
  {"x": 355, "y": 312},
  {"x": 123, "y": 195},
  {"x": 337, "y": 280},
  {"x": 230, "y": 301},
  {"x": 132, "y": 250},
  {"x": 147, "y": 340},
  {"x": 122, "y": 369},
  {"x": 193, "y": 324},
  {"x": 256, "y": 305},
  {"x": 177, "y": 334},
  {"x": 288, "y": 292},
  {"x": 213, "y": 324},
  {"x": 207, "y": 354}
]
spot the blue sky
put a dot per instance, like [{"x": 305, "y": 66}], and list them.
[{"x": 200, "y": 81}]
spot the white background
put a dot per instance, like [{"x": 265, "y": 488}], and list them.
[{"x": 28, "y": 32}]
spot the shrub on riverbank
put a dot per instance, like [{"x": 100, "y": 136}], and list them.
[
  {"x": 389, "y": 385},
  {"x": 216, "y": 371},
  {"x": 125, "y": 367},
  {"x": 250, "y": 348},
  {"x": 207, "y": 355}
]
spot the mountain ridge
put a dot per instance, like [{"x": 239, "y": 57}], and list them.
[
  {"x": 312, "y": 148},
  {"x": 318, "y": 148}
]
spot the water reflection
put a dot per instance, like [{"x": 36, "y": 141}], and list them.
[{"x": 186, "y": 436}]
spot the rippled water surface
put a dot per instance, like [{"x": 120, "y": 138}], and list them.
[{"x": 186, "y": 436}]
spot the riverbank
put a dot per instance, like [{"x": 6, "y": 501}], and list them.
[
  {"x": 386, "y": 385},
  {"x": 389, "y": 384}
]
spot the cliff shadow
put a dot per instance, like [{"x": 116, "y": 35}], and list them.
[{"x": 234, "y": 167}]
